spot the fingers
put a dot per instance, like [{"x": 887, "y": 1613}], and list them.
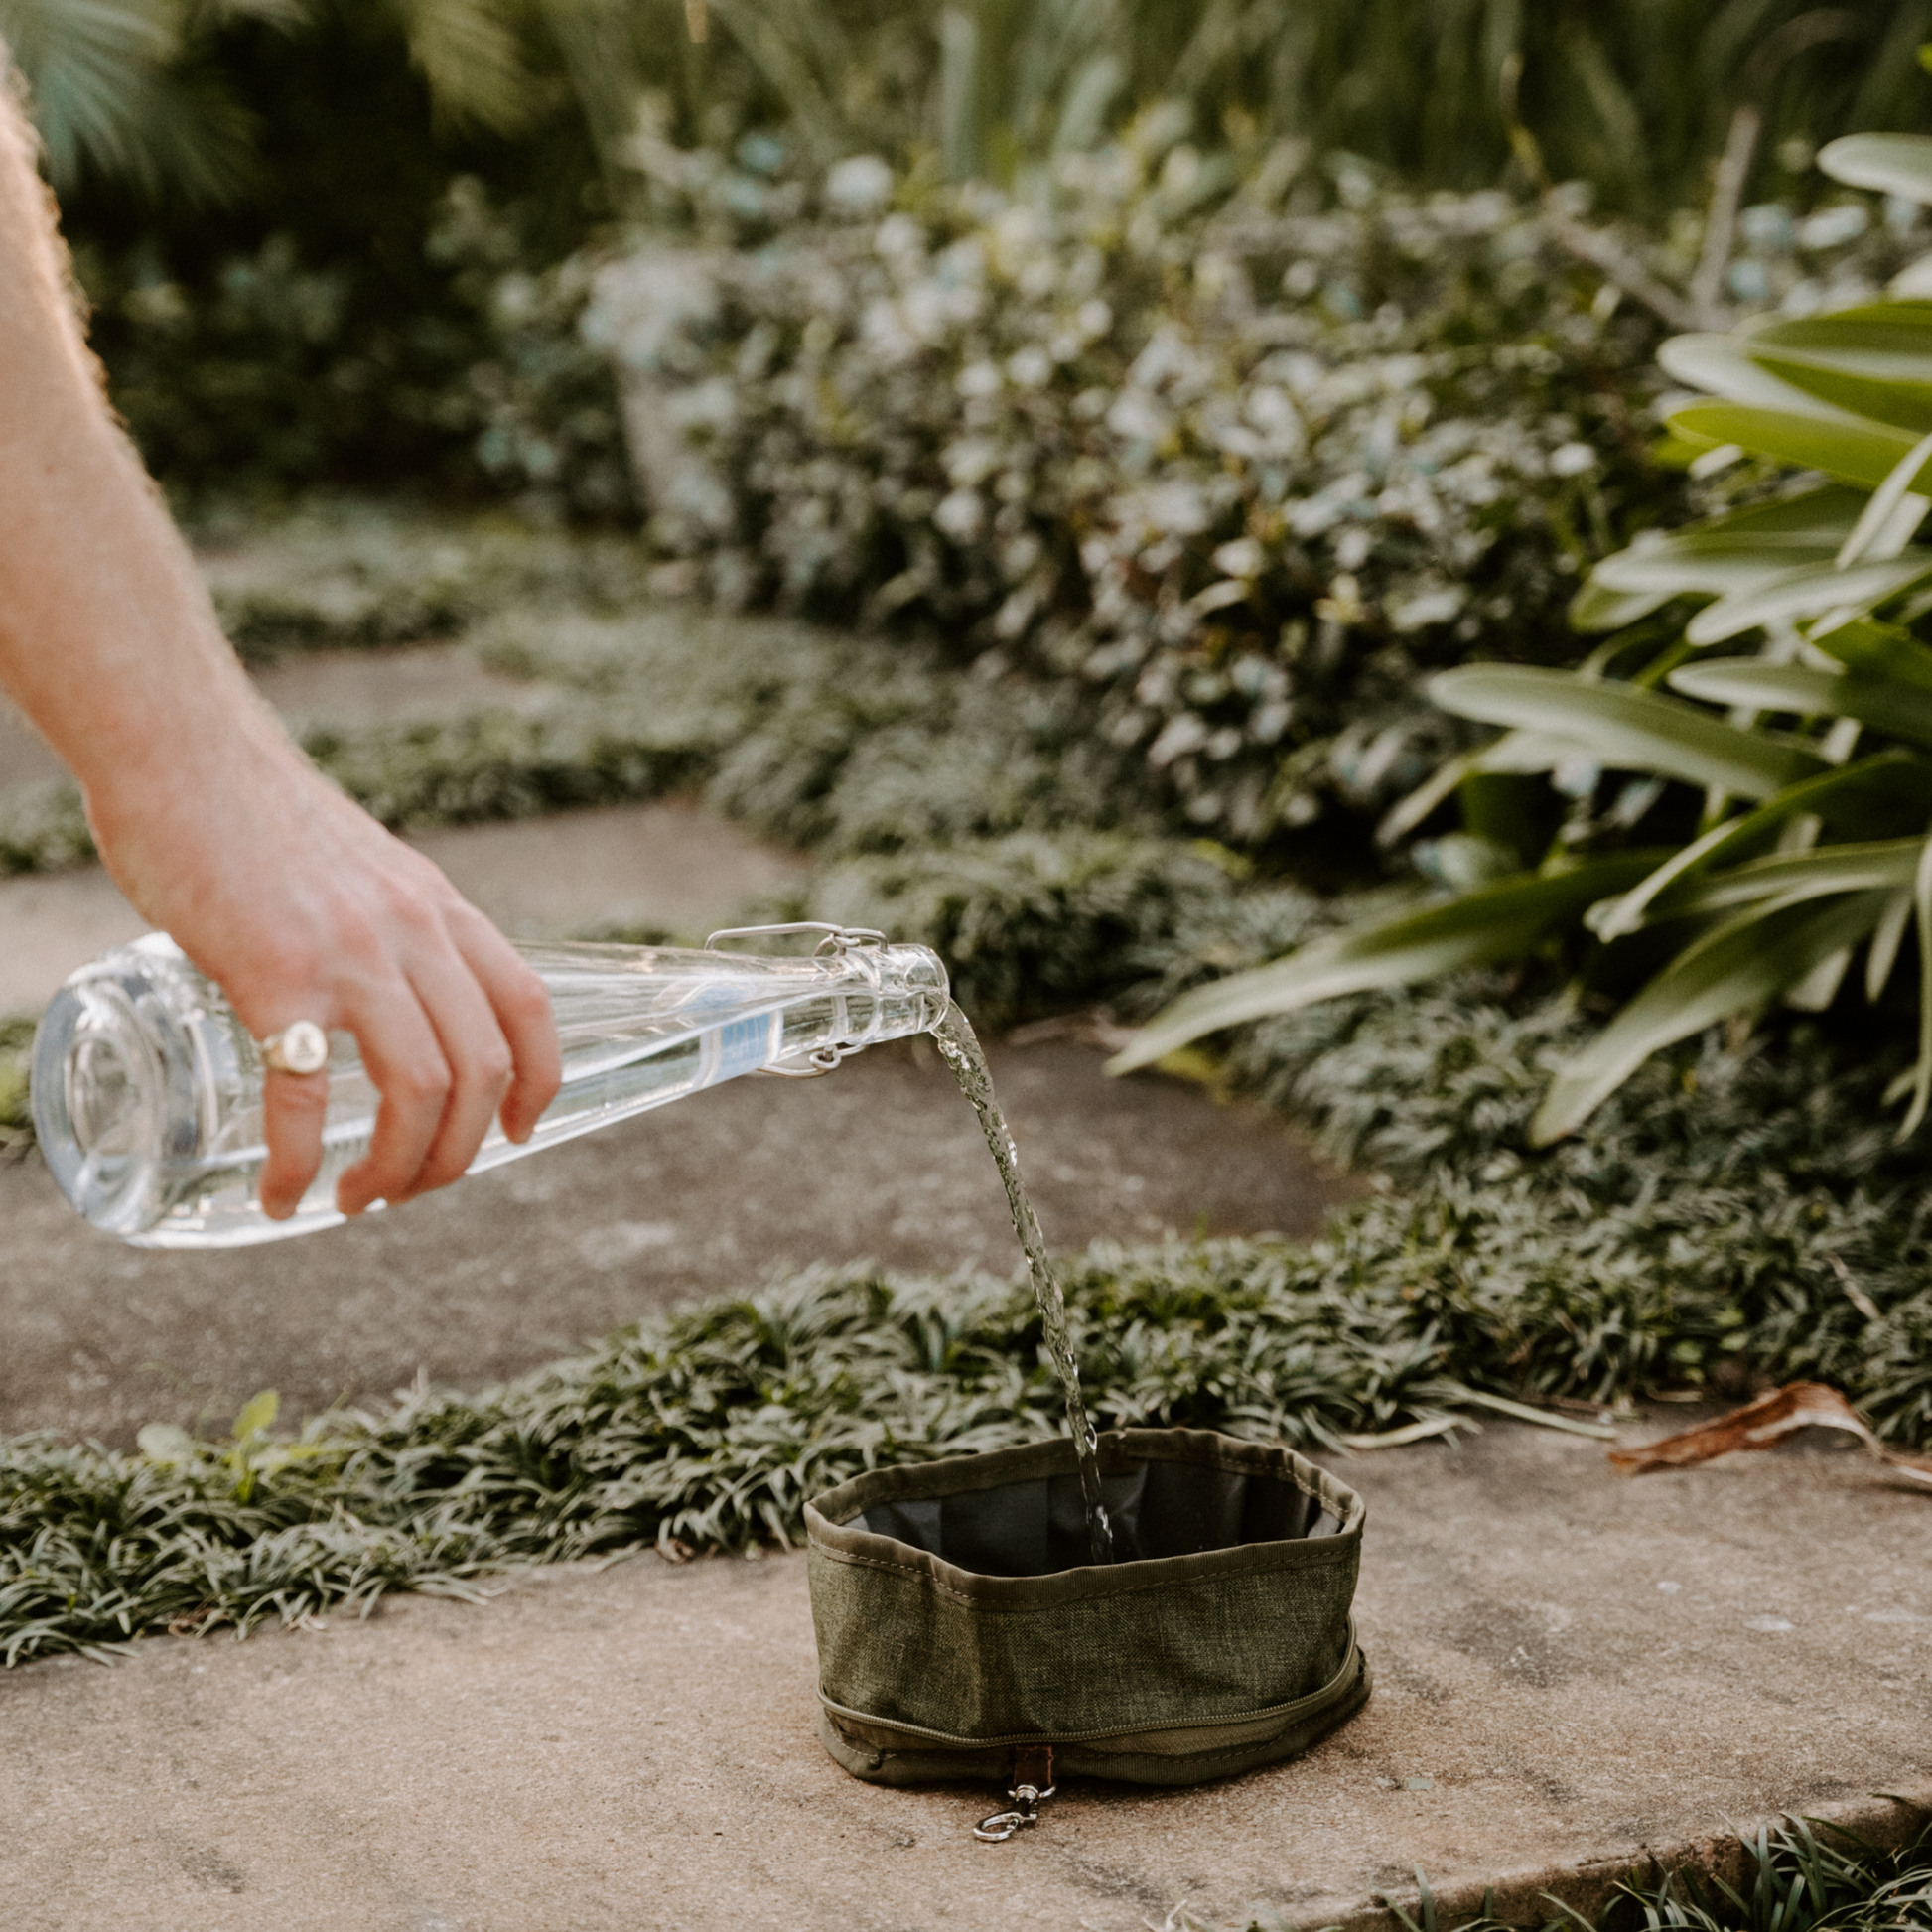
[
  {"x": 476, "y": 1059},
  {"x": 480, "y": 1037},
  {"x": 521, "y": 1004},
  {"x": 405, "y": 1063},
  {"x": 450, "y": 1022},
  {"x": 294, "y": 1106}
]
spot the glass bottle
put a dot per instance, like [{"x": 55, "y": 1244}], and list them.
[{"x": 147, "y": 1089}]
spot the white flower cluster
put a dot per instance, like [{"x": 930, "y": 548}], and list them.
[{"x": 1247, "y": 466}]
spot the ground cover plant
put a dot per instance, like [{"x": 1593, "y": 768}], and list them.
[{"x": 1731, "y": 1216}]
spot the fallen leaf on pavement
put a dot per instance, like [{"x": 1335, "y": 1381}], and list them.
[{"x": 1763, "y": 1423}]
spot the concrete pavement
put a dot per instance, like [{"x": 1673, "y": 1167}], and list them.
[{"x": 1574, "y": 1669}]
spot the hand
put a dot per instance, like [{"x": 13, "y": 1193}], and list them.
[
  {"x": 291, "y": 898},
  {"x": 301, "y": 906}
]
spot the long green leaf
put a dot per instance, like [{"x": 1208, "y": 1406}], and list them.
[
  {"x": 1717, "y": 556},
  {"x": 1877, "y": 649},
  {"x": 1824, "y": 510},
  {"x": 1596, "y": 608},
  {"x": 1875, "y": 362},
  {"x": 1518, "y": 751},
  {"x": 1893, "y": 516},
  {"x": 1494, "y": 922},
  {"x": 1882, "y": 954},
  {"x": 1807, "y": 592},
  {"x": 1738, "y": 966},
  {"x": 1715, "y": 562},
  {"x": 1626, "y": 728},
  {"x": 1881, "y": 865},
  {"x": 1922, "y": 1070},
  {"x": 1729, "y": 366},
  {"x": 1862, "y": 453},
  {"x": 1903, "y": 710},
  {"x": 1876, "y": 793}
]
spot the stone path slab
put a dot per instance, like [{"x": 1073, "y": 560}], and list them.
[
  {"x": 668, "y": 868},
  {"x": 54, "y": 922},
  {"x": 1571, "y": 1667},
  {"x": 505, "y": 1271}
]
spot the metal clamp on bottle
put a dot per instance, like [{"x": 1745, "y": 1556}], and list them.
[
  {"x": 835, "y": 942},
  {"x": 836, "y": 939}
]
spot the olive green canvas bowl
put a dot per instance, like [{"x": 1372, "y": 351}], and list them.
[{"x": 959, "y": 1622}]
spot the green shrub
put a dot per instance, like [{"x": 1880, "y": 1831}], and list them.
[
  {"x": 268, "y": 373},
  {"x": 349, "y": 573},
  {"x": 1708, "y": 858},
  {"x": 1243, "y": 468},
  {"x": 16, "y": 1116},
  {"x": 1036, "y": 921},
  {"x": 43, "y": 828}
]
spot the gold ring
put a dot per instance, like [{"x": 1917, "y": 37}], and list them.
[{"x": 300, "y": 1048}]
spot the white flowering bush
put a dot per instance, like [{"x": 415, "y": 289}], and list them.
[
  {"x": 1246, "y": 475},
  {"x": 1245, "y": 462}
]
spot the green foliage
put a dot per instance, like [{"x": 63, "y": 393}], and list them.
[
  {"x": 1241, "y": 468},
  {"x": 271, "y": 373},
  {"x": 1035, "y": 922},
  {"x": 16, "y": 1116},
  {"x": 341, "y": 573},
  {"x": 1791, "y": 854},
  {"x": 1803, "y": 1880},
  {"x": 138, "y": 92},
  {"x": 128, "y": 87},
  {"x": 1636, "y": 97},
  {"x": 845, "y": 745},
  {"x": 1700, "y": 1231},
  {"x": 43, "y": 828},
  {"x": 308, "y": 331}
]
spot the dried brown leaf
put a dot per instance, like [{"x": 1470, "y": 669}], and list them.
[{"x": 1761, "y": 1425}]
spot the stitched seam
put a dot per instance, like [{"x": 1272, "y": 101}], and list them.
[
  {"x": 919, "y": 1573},
  {"x": 1212, "y": 1460},
  {"x": 1310, "y": 1705},
  {"x": 1179, "y": 1758}
]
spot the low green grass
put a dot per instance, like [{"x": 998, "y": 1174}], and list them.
[{"x": 1731, "y": 1216}]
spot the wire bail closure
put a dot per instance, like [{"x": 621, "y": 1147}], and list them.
[{"x": 835, "y": 941}]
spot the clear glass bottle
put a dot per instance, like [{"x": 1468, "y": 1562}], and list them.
[{"x": 148, "y": 1090}]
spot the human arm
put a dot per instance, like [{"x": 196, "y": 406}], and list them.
[{"x": 208, "y": 816}]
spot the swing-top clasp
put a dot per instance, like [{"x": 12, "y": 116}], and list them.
[{"x": 835, "y": 941}]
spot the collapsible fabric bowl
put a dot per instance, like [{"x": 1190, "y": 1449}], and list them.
[{"x": 961, "y": 1629}]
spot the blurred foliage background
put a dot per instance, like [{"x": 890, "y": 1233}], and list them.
[{"x": 297, "y": 217}]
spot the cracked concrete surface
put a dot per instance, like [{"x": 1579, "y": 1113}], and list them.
[{"x": 1571, "y": 1667}]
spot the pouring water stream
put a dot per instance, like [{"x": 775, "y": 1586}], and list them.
[{"x": 961, "y": 1050}]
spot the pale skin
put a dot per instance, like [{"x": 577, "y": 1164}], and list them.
[{"x": 209, "y": 819}]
